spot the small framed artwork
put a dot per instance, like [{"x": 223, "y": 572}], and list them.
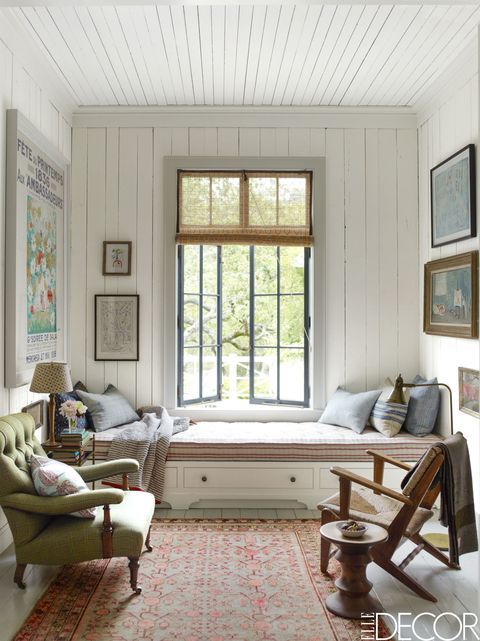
[
  {"x": 36, "y": 410},
  {"x": 450, "y": 306},
  {"x": 117, "y": 257},
  {"x": 469, "y": 391},
  {"x": 116, "y": 327},
  {"x": 453, "y": 199}
]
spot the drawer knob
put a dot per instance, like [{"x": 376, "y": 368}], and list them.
[
  {"x": 292, "y": 479},
  {"x": 204, "y": 478}
]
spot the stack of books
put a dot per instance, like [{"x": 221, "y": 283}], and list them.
[
  {"x": 70, "y": 456},
  {"x": 71, "y": 446},
  {"x": 75, "y": 438}
]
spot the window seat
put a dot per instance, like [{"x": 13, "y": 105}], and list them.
[
  {"x": 280, "y": 441},
  {"x": 230, "y": 464}
]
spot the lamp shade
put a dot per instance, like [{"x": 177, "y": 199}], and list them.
[{"x": 51, "y": 378}]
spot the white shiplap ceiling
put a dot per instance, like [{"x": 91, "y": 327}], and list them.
[{"x": 278, "y": 54}]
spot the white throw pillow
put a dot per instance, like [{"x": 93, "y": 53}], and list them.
[{"x": 54, "y": 478}]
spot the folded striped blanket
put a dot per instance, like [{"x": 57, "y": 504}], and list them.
[{"x": 147, "y": 441}]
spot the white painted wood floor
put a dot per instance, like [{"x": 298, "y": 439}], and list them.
[{"x": 457, "y": 591}]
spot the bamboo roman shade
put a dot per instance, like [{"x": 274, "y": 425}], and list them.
[{"x": 244, "y": 207}]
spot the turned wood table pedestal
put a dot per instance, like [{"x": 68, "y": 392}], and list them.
[{"x": 353, "y": 597}]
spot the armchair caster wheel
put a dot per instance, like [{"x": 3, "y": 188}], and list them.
[
  {"x": 21, "y": 585},
  {"x": 137, "y": 591}
]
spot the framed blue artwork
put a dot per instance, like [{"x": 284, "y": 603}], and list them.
[
  {"x": 451, "y": 296},
  {"x": 453, "y": 200}
]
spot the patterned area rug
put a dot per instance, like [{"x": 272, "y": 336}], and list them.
[{"x": 207, "y": 580}]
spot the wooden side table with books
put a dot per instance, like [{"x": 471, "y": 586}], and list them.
[{"x": 74, "y": 448}]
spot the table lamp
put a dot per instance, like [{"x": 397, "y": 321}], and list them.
[
  {"x": 51, "y": 378},
  {"x": 440, "y": 541}
]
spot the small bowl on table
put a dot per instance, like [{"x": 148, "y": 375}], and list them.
[{"x": 352, "y": 529}]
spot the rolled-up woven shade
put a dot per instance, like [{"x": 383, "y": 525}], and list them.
[{"x": 244, "y": 207}]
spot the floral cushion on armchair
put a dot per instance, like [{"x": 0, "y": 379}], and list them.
[{"x": 54, "y": 478}]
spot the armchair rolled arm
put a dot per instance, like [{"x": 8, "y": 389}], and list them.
[
  {"x": 109, "y": 468},
  {"x": 346, "y": 475},
  {"x": 388, "y": 459},
  {"x": 57, "y": 505}
]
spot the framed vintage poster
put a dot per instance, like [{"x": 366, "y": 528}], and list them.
[
  {"x": 469, "y": 391},
  {"x": 37, "y": 410},
  {"x": 35, "y": 312},
  {"x": 116, "y": 327},
  {"x": 451, "y": 296},
  {"x": 453, "y": 199},
  {"x": 117, "y": 258}
]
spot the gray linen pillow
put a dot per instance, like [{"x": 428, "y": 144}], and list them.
[
  {"x": 350, "y": 410},
  {"x": 108, "y": 409},
  {"x": 423, "y": 408}
]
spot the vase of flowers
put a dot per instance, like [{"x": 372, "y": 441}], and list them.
[{"x": 72, "y": 410}]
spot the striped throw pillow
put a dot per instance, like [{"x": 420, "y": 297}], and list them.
[{"x": 388, "y": 418}]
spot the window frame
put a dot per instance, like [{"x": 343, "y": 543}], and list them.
[
  {"x": 201, "y": 346},
  {"x": 257, "y": 400},
  {"x": 166, "y": 376}
]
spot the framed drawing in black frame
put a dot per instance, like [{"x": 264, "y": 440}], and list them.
[
  {"x": 453, "y": 198},
  {"x": 116, "y": 327}
]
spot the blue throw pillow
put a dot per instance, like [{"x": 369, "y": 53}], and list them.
[
  {"x": 423, "y": 408},
  {"x": 350, "y": 410},
  {"x": 109, "y": 409}
]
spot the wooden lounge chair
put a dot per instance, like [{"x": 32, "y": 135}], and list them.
[{"x": 402, "y": 514}]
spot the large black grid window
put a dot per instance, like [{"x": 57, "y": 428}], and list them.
[
  {"x": 260, "y": 353},
  {"x": 279, "y": 323},
  {"x": 200, "y": 326}
]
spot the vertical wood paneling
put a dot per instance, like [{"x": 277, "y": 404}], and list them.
[
  {"x": 335, "y": 264},
  {"x": 163, "y": 146},
  {"x": 387, "y": 185},
  {"x": 144, "y": 265},
  {"x": 227, "y": 141},
  {"x": 78, "y": 254},
  {"x": 407, "y": 233},
  {"x": 96, "y": 142},
  {"x": 372, "y": 260},
  {"x": 249, "y": 141},
  {"x": 111, "y": 226},
  {"x": 355, "y": 259},
  {"x": 127, "y": 230},
  {"x": 370, "y": 220},
  {"x": 452, "y": 125},
  {"x": 19, "y": 90}
]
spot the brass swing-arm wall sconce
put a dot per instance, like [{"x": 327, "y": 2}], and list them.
[{"x": 398, "y": 396}]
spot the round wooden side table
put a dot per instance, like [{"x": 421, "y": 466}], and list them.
[{"x": 353, "y": 597}]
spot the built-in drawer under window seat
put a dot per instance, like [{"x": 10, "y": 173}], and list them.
[{"x": 217, "y": 461}]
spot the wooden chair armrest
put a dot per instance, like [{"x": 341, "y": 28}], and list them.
[
  {"x": 389, "y": 459},
  {"x": 371, "y": 485}
]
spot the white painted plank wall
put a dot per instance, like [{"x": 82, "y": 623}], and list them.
[
  {"x": 372, "y": 288},
  {"x": 451, "y": 126},
  {"x": 19, "y": 90}
]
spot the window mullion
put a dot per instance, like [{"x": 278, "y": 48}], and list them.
[
  {"x": 219, "y": 322},
  {"x": 278, "y": 323},
  {"x": 200, "y": 325},
  {"x": 251, "y": 375}
]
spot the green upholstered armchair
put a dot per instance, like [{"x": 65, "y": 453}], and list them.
[{"x": 43, "y": 531}]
